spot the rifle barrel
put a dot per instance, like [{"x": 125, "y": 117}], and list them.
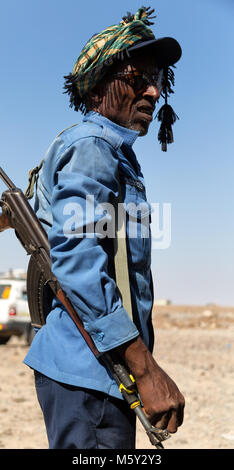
[{"x": 6, "y": 179}]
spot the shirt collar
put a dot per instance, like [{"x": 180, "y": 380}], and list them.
[{"x": 128, "y": 135}]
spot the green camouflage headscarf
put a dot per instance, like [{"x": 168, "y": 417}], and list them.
[{"x": 104, "y": 48}]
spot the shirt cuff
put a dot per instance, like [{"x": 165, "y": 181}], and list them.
[{"x": 112, "y": 330}]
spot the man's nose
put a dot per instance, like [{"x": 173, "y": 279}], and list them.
[{"x": 152, "y": 91}]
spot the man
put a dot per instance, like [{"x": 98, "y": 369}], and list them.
[{"x": 117, "y": 81}]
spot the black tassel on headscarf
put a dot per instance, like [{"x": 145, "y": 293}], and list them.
[
  {"x": 166, "y": 114},
  {"x": 167, "y": 117}
]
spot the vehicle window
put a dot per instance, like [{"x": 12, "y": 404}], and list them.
[
  {"x": 24, "y": 295},
  {"x": 5, "y": 290}
]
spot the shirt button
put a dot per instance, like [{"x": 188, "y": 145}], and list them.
[{"x": 100, "y": 336}]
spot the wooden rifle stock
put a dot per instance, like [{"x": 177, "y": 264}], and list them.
[{"x": 4, "y": 222}]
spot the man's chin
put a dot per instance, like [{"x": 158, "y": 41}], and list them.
[
  {"x": 141, "y": 127},
  {"x": 143, "y": 132}
]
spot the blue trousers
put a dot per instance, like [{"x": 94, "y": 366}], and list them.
[{"x": 78, "y": 418}]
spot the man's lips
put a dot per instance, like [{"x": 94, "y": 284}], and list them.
[{"x": 147, "y": 111}]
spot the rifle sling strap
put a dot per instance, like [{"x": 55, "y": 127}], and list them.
[{"x": 121, "y": 258}]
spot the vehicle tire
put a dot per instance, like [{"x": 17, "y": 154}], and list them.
[
  {"x": 4, "y": 339},
  {"x": 30, "y": 333}
]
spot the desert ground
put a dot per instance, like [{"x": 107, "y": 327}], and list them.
[{"x": 194, "y": 345}]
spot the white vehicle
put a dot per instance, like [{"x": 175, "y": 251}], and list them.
[{"x": 14, "y": 311}]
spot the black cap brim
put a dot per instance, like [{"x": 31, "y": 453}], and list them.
[{"x": 166, "y": 51}]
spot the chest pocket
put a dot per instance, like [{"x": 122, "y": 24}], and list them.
[{"x": 138, "y": 219}]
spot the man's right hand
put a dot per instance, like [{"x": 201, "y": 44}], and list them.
[{"x": 163, "y": 402}]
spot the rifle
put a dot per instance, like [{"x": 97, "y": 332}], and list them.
[{"x": 18, "y": 214}]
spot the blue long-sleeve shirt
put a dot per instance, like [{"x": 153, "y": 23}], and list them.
[{"x": 78, "y": 179}]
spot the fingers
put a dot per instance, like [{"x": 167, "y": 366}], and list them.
[
  {"x": 180, "y": 413},
  {"x": 173, "y": 423},
  {"x": 161, "y": 421},
  {"x": 176, "y": 415},
  {"x": 170, "y": 420}
]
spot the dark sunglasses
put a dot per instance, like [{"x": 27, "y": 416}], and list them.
[{"x": 142, "y": 80}]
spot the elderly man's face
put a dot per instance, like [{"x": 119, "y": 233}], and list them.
[{"x": 128, "y": 99}]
